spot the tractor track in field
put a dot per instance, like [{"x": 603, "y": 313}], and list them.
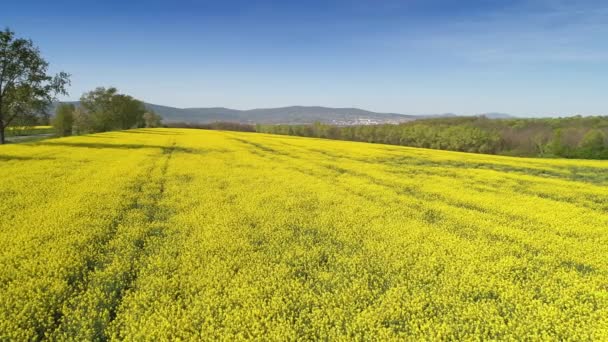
[
  {"x": 107, "y": 271},
  {"x": 432, "y": 216}
]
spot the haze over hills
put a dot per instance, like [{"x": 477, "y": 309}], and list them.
[
  {"x": 283, "y": 115},
  {"x": 287, "y": 115}
]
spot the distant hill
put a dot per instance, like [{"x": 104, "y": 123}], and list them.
[
  {"x": 283, "y": 115},
  {"x": 287, "y": 115},
  {"x": 497, "y": 115}
]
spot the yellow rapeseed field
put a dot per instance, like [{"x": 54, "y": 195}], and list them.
[
  {"x": 159, "y": 234},
  {"x": 28, "y": 130}
]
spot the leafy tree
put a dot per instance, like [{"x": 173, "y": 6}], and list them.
[
  {"x": 98, "y": 105},
  {"x": 82, "y": 123},
  {"x": 152, "y": 119},
  {"x": 110, "y": 110},
  {"x": 26, "y": 88},
  {"x": 593, "y": 145},
  {"x": 64, "y": 119}
]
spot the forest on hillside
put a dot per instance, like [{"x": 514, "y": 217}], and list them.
[{"x": 571, "y": 137}]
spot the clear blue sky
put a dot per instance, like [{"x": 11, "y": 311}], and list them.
[{"x": 524, "y": 57}]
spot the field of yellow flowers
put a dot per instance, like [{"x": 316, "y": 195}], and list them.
[
  {"x": 188, "y": 234},
  {"x": 24, "y": 130}
]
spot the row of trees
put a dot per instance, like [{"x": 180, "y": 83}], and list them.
[
  {"x": 219, "y": 125},
  {"x": 101, "y": 110},
  {"x": 575, "y": 137}
]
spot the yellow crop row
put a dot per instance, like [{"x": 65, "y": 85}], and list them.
[
  {"x": 28, "y": 127},
  {"x": 28, "y": 130}
]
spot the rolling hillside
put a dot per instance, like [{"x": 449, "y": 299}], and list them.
[{"x": 284, "y": 115}]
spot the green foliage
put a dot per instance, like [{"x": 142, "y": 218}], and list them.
[
  {"x": 64, "y": 119},
  {"x": 576, "y": 137},
  {"x": 593, "y": 145},
  {"x": 26, "y": 88},
  {"x": 83, "y": 122},
  {"x": 108, "y": 110},
  {"x": 152, "y": 119},
  {"x": 219, "y": 125}
]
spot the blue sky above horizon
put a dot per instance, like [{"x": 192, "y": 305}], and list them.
[{"x": 524, "y": 57}]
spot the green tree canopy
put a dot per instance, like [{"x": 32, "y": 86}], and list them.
[
  {"x": 109, "y": 110},
  {"x": 26, "y": 88},
  {"x": 152, "y": 119},
  {"x": 64, "y": 119},
  {"x": 593, "y": 145}
]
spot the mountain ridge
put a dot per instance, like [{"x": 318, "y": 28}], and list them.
[{"x": 298, "y": 114}]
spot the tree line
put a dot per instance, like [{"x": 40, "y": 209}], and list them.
[
  {"x": 572, "y": 137},
  {"x": 219, "y": 125},
  {"x": 102, "y": 110}
]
